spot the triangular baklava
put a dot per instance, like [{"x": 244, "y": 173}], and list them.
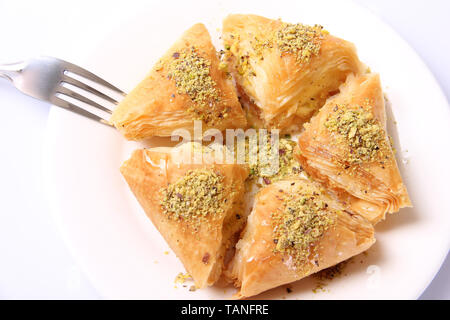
[
  {"x": 294, "y": 230},
  {"x": 187, "y": 84},
  {"x": 346, "y": 147},
  {"x": 196, "y": 207},
  {"x": 284, "y": 72}
]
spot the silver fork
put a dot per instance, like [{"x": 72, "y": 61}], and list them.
[{"x": 44, "y": 78}]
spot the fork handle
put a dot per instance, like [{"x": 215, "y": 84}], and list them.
[{"x": 10, "y": 71}]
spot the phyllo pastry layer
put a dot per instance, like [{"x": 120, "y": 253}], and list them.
[
  {"x": 346, "y": 147},
  {"x": 185, "y": 85},
  {"x": 294, "y": 230},
  {"x": 284, "y": 72},
  {"x": 195, "y": 207}
]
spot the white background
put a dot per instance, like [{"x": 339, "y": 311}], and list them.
[{"x": 34, "y": 262}]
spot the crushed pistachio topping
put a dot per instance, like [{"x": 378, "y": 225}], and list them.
[
  {"x": 264, "y": 161},
  {"x": 223, "y": 63},
  {"x": 363, "y": 134},
  {"x": 244, "y": 66},
  {"x": 264, "y": 166},
  {"x": 240, "y": 53},
  {"x": 223, "y": 66},
  {"x": 299, "y": 39},
  {"x": 194, "y": 197},
  {"x": 300, "y": 224},
  {"x": 181, "y": 278},
  {"x": 192, "y": 76},
  {"x": 288, "y": 163}
]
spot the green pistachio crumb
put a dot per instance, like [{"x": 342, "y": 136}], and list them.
[
  {"x": 300, "y": 224},
  {"x": 299, "y": 39},
  {"x": 194, "y": 197},
  {"x": 266, "y": 158},
  {"x": 360, "y": 131},
  {"x": 192, "y": 76}
]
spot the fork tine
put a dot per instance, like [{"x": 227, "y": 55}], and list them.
[
  {"x": 87, "y": 88},
  {"x": 89, "y": 75},
  {"x": 71, "y": 107},
  {"x": 73, "y": 94}
]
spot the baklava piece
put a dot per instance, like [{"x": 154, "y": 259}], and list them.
[
  {"x": 346, "y": 147},
  {"x": 284, "y": 72},
  {"x": 195, "y": 207},
  {"x": 294, "y": 230},
  {"x": 185, "y": 85}
]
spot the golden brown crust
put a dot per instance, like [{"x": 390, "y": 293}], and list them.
[
  {"x": 371, "y": 188},
  {"x": 147, "y": 172},
  {"x": 286, "y": 92},
  {"x": 257, "y": 268},
  {"x": 156, "y": 108}
]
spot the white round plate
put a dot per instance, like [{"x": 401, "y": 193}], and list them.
[{"x": 123, "y": 254}]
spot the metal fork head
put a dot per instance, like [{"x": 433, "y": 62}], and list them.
[{"x": 46, "y": 78}]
